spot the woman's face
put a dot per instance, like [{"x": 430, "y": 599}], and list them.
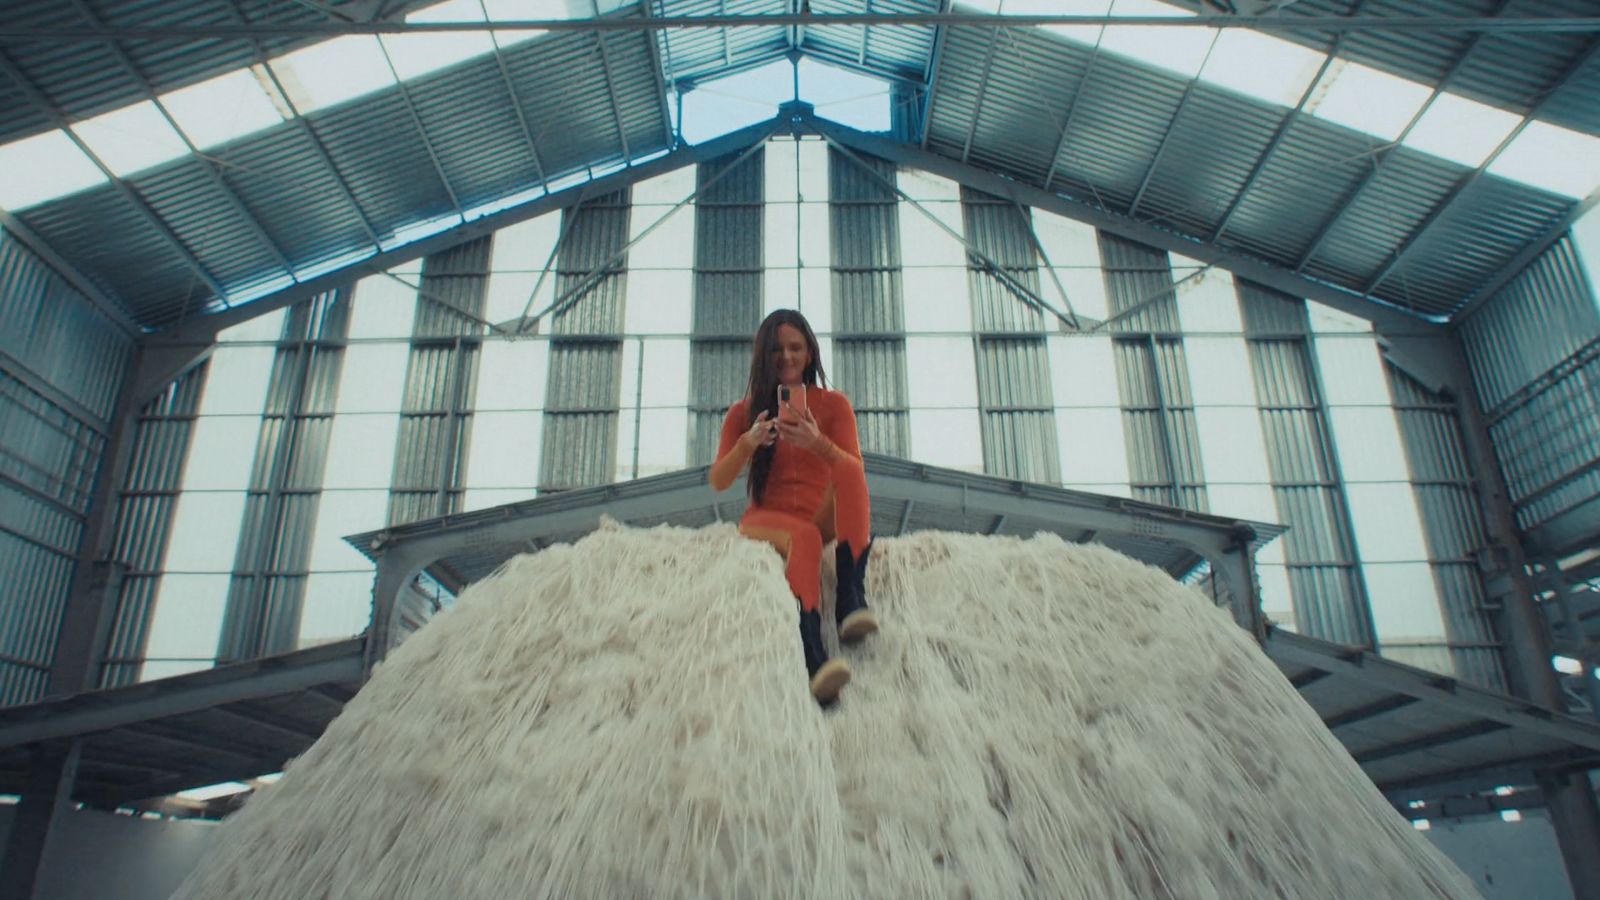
[{"x": 791, "y": 356}]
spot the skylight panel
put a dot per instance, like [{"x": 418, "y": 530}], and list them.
[
  {"x": 1368, "y": 100},
  {"x": 132, "y": 138},
  {"x": 1462, "y": 130},
  {"x": 419, "y": 54},
  {"x": 1553, "y": 158},
  {"x": 715, "y": 108},
  {"x": 217, "y": 111},
  {"x": 44, "y": 167},
  {"x": 849, "y": 98},
  {"x": 1262, "y": 66},
  {"x": 1083, "y": 34},
  {"x": 1180, "y": 50},
  {"x": 333, "y": 71}
]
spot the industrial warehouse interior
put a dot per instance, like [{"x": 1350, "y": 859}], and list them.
[{"x": 1226, "y": 378}]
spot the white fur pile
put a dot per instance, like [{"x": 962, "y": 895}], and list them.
[{"x": 629, "y": 717}]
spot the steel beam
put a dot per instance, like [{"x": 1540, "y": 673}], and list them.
[
  {"x": 157, "y": 224},
  {"x": 104, "y": 710},
  {"x": 1271, "y": 24},
  {"x": 51, "y": 774}
]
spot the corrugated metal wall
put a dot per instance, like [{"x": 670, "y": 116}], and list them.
[
  {"x": 1325, "y": 578},
  {"x": 1015, "y": 401},
  {"x": 1158, "y": 416},
  {"x": 585, "y": 385},
  {"x": 869, "y": 345},
  {"x": 441, "y": 378},
  {"x": 1452, "y": 519},
  {"x": 144, "y": 518},
  {"x": 728, "y": 242},
  {"x": 1535, "y": 356},
  {"x": 271, "y": 565},
  {"x": 61, "y": 366}
]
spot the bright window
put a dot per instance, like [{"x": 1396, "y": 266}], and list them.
[
  {"x": 1553, "y": 158},
  {"x": 333, "y": 71},
  {"x": 1261, "y": 66},
  {"x": 217, "y": 111},
  {"x": 1462, "y": 130},
  {"x": 1368, "y": 100},
  {"x": 44, "y": 167}
]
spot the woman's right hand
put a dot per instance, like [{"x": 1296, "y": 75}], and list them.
[{"x": 761, "y": 434}]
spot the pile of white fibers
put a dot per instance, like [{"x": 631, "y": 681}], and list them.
[{"x": 629, "y": 717}]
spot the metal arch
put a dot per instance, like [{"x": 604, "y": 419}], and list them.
[
  {"x": 212, "y": 169},
  {"x": 611, "y": 97},
  {"x": 516, "y": 103},
  {"x": 1278, "y": 138},
  {"x": 983, "y": 90},
  {"x": 1161, "y": 149},
  {"x": 422, "y": 130},
  {"x": 43, "y": 104},
  {"x": 1381, "y": 156},
  {"x": 1471, "y": 178}
]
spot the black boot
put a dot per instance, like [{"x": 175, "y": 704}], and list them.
[
  {"x": 850, "y": 605},
  {"x": 828, "y": 676}
]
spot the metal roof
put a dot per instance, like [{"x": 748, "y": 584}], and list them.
[{"x": 1375, "y": 220}]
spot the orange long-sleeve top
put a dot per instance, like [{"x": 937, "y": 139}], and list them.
[{"x": 799, "y": 479}]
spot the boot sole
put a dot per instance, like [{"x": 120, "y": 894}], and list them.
[
  {"x": 829, "y": 680},
  {"x": 857, "y": 625}
]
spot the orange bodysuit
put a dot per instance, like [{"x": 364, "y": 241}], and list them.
[{"x": 796, "y": 494}]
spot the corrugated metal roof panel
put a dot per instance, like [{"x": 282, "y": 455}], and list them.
[
  {"x": 1397, "y": 200},
  {"x": 186, "y": 197},
  {"x": 899, "y": 50},
  {"x": 377, "y": 148},
  {"x": 470, "y": 121},
  {"x": 279, "y": 175},
  {"x": 1204, "y": 166},
  {"x": 1121, "y": 115},
  {"x": 694, "y": 52}
]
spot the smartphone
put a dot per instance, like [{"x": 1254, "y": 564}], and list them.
[{"x": 791, "y": 396}]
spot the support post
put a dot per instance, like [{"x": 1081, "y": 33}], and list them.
[
  {"x": 396, "y": 568},
  {"x": 46, "y": 799},
  {"x": 1523, "y": 632}
]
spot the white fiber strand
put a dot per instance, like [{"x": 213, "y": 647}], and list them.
[{"x": 629, "y": 717}]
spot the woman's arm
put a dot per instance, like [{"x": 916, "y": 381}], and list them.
[{"x": 738, "y": 445}]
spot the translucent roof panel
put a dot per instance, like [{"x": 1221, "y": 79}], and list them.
[
  {"x": 1181, "y": 50},
  {"x": 131, "y": 139},
  {"x": 1368, "y": 100},
  {"x": 1553, "y": 158},
  {"x": 333, "y": 71},
  {"x": 43, "y": 167},
  {"x": 226, "y": 107},
  {"x": 717, "y": 107},
  {"x": 1261, "y": 66},
  {"x": 1461, "y": 130}
]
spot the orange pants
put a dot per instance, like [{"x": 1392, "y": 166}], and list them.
[{"x": 800, "y": 539}]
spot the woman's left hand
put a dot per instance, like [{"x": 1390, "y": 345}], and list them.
[{"x": 801, "y": 431}]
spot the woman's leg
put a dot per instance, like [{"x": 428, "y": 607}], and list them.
[
  {"x": 853, "y": 523},
  {"x": 800, "y": 545}
]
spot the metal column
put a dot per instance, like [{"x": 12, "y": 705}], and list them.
[
  {"x": 1525, "y": 636},
  {"x": 44, "y": 802}
]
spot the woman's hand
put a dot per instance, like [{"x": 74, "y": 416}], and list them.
[
  {"x": 761, "y": 434},
  {"x": 801, "y": 431}
]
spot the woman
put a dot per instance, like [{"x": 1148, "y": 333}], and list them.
[{"x": 806, "y": 485}]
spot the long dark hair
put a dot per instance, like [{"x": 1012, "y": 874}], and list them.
[{"x": 763, "y": 388}]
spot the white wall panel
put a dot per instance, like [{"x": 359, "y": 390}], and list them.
[
  {"x": 669, "y": 245},
  {"x": 926, "y": 186},
  {"x": 1327, "y": 320},
  {"x": 941, "y": 373},
  {"x": 1367, "y": 439},
  {"x": 1244, "y": 501},
  {"x": 511, "y": 374},
  {"x": 1352, "y": 371},
  {"x": 361, "y": 451},
  {"x": 337, "y": 605},
  {"x": 205, "y": 531},
  {"x": 937, "y": 299},
  {"x": 509, "y": 293},
  {"x": 187, "y": 620},
  {"x": 1210, "y": 303},
  {"x": 813, "y": 170},
  {"x": 486, "y": 498},
  {"x": 666, "y": 374},
  {"x": 816, "y": 299},
  {"x": 780, "y": 235},
  {"x": 236, "y": 381},
  {"x": 383, "y": 308},
  {"x": 343, "y": 512},
  {"x": 780, "y": 289},
  {"x": 1073, "y": 249},
  {"x": 1083, "y": 372},
  {"x": 265, "y": 327},
  {"x": 1232, "y": 447},
  {"x": 525, "y": 246},
  {"x": 504, "y": 451},
  {"x": 659, "y": 302},
  {"x": 1219, "y": 371},
  {"x": 923, "y": 242},
  {"x": 1277, "y": 602},
  {"x": 664, "y": 441},
  {"x": 1386, "y": 523},
  {"x": 1405, "y": 604},
  {"x": 1094, "y": 450},
  {"x": 779, "y": 172},
  {"x": 372, "y": 378},
  {"x": 950, "y": 438},
  {"x": 221, "y": 453},
  {"x": 815, "y": 249},
  {"x": 665, "y": 189}
]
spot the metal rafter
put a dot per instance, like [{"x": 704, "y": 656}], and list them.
[
  {"x": 1381, "y": 156},
  {"x": 1278, "y": 138},
  {"x": 983, "y": 90},
  {"x": 930, "y": 76},
  {"x": 861, "y": 55},
  {"x": 661, "y": 82},
  {"x": 1471, "y": 178},
  {"x": 516, "y": 101},
  {"x": 422, "y": 130},
  {"x": 217, "y": 181},
  {"x": 1161, "y": 148},
  {"x": 43, "y": 105},
  {"x": 1072, "y": 113},
  {"x": 611, "y": 95},
  {"x": 1271, "y": 24}
]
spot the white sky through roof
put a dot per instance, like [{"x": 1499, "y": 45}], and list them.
[
  {"x": 1553, "y": 158},
  {"x": 217, "y": 111},
  {"x": 1262, "y": 66},
  {"x": 1367, "y": 100},
  {"x": 1461, "y": 130},
  {"x": 44, "y": 167},
  {"x": 132, "y": 138},
  {"x": 333, "y": 71},
  {"x": 717, "y": 107},
  {"x": 1180, "y": 50}
]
